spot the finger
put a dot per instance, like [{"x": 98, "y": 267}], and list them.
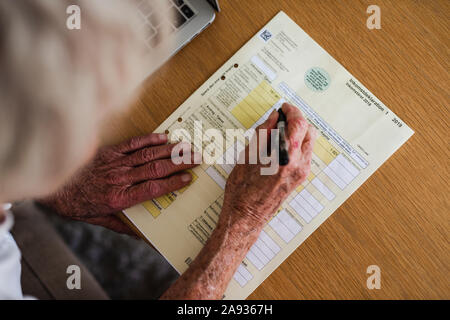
[
  {"x": 271, "y": 121},
  {"x": 308, "y": 143},
  {"x": 291, "y": 112},
  {"x": 148, "y": 154},
  {"x": 111, "y": 222},
  {"x": 154, "y": 188},
  {"x": 297, "y": 126},
  {"x": 269, "y": 124},
  {"x": 261, "y": 138},
  {"x": 295, "y": 119},
  {"x": 160, "y": 169},
  {"x": 136, "y": 143}
]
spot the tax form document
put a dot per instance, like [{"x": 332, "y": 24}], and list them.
[{"x": 357, "y": 133}]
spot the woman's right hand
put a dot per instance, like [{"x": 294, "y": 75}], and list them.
[{"x": 251, "y": 198}]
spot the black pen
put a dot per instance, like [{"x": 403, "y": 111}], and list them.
[{"x": 284, "y": 146}]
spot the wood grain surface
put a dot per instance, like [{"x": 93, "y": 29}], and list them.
[{"x": 399, "y": 218}]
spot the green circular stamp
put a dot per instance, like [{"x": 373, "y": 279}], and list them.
[{"x": 317, "y": 79}]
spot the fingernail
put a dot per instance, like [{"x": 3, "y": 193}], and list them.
[
  {"x": 163, "y": 136},
  {"x": 185, "y": 177}
]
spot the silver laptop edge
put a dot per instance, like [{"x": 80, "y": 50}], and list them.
[{"x": 205, "y": 15}]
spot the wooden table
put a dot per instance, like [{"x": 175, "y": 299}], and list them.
[{"x": 399, "y": 218}]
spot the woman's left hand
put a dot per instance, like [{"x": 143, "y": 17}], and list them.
[{"x": 120, "y": 177}]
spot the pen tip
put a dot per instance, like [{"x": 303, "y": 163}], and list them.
[{"x": 281, "y": 116}]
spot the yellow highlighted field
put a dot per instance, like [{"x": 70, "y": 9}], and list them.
[
  {"x": 256, "y": 104},
  {"x": 165, "y": 200},
  {"x": 152, "y": 208},
  {"x": 155, "y": 206},
  {"x": 324, "y": 150}
]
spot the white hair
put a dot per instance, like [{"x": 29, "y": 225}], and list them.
[{"x": 56, "y": 83}]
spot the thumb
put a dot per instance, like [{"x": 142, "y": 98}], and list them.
[{"x": 271, "y": 121}]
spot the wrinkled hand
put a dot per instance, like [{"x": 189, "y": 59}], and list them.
[
  {"x": 118, "y": 178},
  {"x": 251, "y": 198}
]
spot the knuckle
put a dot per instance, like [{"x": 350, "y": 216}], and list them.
[
  {"x": 304, "y": 172},
  {"x": 299, "y": 125},
  {"x": 294, "y": 144},
  {"x": 297, "y": 112},
  {"x": 298, "y": 172},
  {"x": 173, "y": 183},
  {"x": 152, "y": 169},
  {"x": 157, "y": 169},
  {"x": 303, "y": 123},
  {"x": 134, "y": 143},
  {"x": 308, "y": 150},
  {"x": 296, "y": 123},
  {"x": 148, "y": 154},
  {"x": 154, "y": 188}
]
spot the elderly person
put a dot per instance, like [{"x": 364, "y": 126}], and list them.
[{"x": 56, "y": 87}]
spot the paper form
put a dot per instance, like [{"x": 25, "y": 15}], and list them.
[{"x": 357, "y": 134}]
